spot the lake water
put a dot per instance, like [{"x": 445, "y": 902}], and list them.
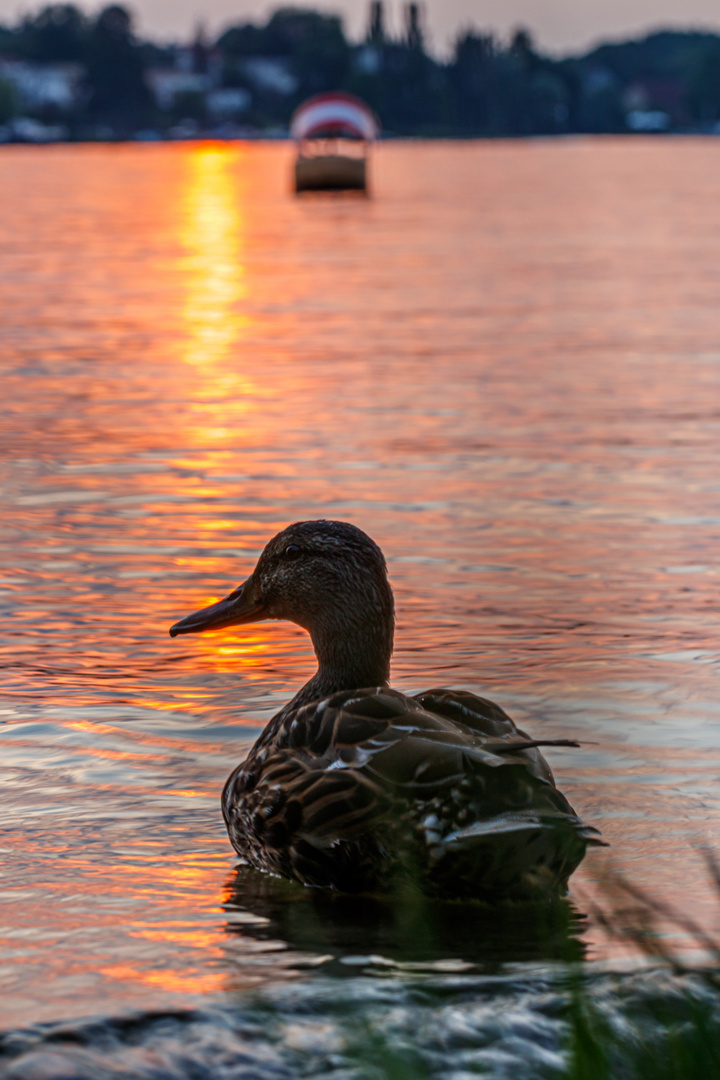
[{"x": 504, "y": 366}]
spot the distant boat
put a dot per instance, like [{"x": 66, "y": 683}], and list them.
[{"x": 333, "y": 132}]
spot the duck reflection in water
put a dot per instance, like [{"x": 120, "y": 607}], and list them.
[
  {"x": 358, "y": 788},
  {"x": 292, "y": 928}
]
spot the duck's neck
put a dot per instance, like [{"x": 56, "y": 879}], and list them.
[{"x": 352, "y": 654}]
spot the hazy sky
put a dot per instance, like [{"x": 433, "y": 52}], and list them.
[{"x": 559, "y": 25}]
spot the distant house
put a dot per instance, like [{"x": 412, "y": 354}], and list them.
[
  {"x": 167, "y": 84},
  {"x": 269, "y": 73},
  {"x": 657, "y": 95},
  {"x": 196, "y": 69},
  {"x": 229, "y": 101},
  {"x": 39, "y": 86}
]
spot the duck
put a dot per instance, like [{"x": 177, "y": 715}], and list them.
[{"x": 358, "y": 788}]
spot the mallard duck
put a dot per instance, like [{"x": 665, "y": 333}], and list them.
[{"x": 356, "y": 787}]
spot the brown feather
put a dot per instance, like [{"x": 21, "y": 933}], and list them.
[{"x": 459, "y": 800}]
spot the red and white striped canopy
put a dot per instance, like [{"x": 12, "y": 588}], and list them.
[{"x": 331, "y": 114}]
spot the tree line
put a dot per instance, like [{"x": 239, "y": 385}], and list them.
[{"x": 487, "y": 86}]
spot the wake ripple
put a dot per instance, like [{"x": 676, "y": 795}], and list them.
[{"x": 507, "y": 1026}]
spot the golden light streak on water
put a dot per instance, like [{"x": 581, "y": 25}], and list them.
[{"x": 211, "y": 229}]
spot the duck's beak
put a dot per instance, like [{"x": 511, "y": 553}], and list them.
[{"x": 241, "y": 606}]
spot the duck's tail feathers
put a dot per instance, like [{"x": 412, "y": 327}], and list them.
[
  {"x": 515, "y": 853},
  {"x": 518, "y": 823},
  {"x": 511, "y": 746}
]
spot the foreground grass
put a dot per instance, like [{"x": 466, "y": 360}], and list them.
[
  {"x": 672, "y": 1033},
  {"x": 658, "y": 1022}
]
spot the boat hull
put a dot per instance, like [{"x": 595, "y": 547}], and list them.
[{"x": 330, "y": 173}]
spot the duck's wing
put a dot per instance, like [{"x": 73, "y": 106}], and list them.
[
  {"x": 500, "y": 733},
  {"x": 422, "y": 751},
  {"x": 325, "y": 798},
  {"x": 477, "y": 713},
  {"x": 492, "y": 724},
  {"x": 419, "y": 742},
  {"x": 484, "y": 792}
]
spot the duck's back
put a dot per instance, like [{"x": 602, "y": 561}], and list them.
[{"x": 367, "y": 787}]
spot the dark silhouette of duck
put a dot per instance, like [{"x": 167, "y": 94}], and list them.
[{"x": 356, "y": 787}]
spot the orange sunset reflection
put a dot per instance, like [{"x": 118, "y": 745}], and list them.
[
  {"x": 210, "y": 230},
  {"x": 211, "y": 233}
]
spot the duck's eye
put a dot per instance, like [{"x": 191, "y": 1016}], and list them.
[{"x": 292, "y": 551}]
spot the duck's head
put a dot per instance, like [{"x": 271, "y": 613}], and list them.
[{"x": 328, "y": 577}]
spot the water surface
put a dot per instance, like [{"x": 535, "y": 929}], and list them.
[{"x": 504, "y": 366}]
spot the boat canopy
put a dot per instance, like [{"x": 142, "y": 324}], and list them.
[{"x": 333, "y": 114}]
